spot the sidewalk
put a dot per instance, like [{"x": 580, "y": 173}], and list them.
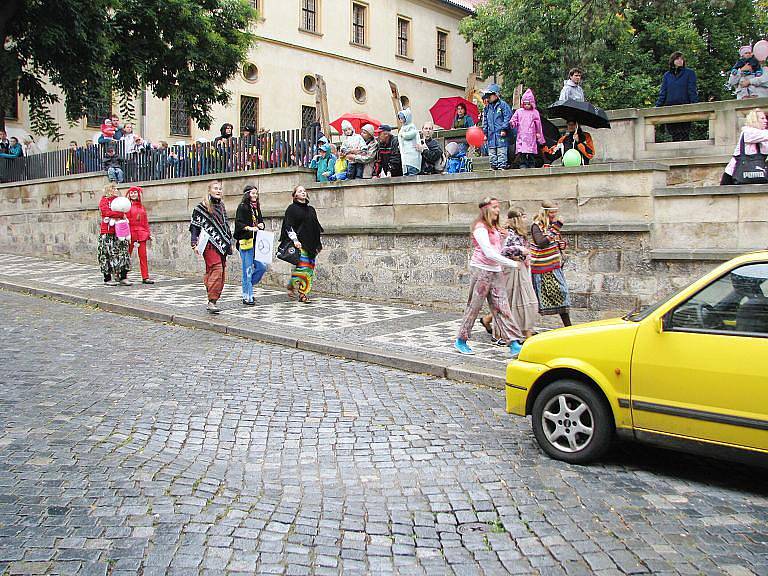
[{"x": 398, "y": 336}]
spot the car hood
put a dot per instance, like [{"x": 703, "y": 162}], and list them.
[{"x": 603, "y": 339}]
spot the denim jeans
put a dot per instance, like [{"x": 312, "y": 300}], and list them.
[
  {"x": 246, "y": 257},
  {"x": 497, "y": 156},
  {"x": 115, "y": 175},
  {"x": 355, "y": 170},
  {"x": 411, "y": 171}
]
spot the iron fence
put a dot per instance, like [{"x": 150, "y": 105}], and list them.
[{"x": 267, "y": 150}]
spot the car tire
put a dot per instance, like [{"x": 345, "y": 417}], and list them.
[{"x": 572, "y": 422}]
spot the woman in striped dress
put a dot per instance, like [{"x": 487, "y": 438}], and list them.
[{"x": 546, "y": 248}]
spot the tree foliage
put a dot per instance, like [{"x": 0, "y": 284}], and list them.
[
  {"x": 188, "y": 48},
  {"x": 623, "y": 45}
]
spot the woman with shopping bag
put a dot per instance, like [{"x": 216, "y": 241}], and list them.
[{"x": 249, "y": 220}]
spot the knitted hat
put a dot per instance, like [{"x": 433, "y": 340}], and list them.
[
  {"x": 368, "y": 128},
  {"x": 744, "y": 49}
]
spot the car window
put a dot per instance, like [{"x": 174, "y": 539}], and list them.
[{"x": 736, "y": 303}]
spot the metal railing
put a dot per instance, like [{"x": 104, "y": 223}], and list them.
[{"x": 268, "y": 150}]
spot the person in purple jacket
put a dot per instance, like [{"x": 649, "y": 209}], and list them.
[{"x": 678, "y": 86}]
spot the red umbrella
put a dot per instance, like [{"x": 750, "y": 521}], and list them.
[
  {"x": 444, "y": 111},
  {"x": 357, "y": 120}
]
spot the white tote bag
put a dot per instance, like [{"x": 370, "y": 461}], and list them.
[{"x": 264, "y": 247}]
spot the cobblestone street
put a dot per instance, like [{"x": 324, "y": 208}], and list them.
[{"x": 134, "y": 447}]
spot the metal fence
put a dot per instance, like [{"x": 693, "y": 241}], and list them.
[{"x": 268, "y": 150}]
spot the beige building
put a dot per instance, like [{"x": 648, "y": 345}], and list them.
[{"x": 358, "y": 46}]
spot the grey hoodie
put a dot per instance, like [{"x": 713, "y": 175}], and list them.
[{"x": 572, "y": 91}]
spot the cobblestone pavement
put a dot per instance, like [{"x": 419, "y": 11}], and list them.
[
  {"x": 394, "y": 326},
  {"x": 132, "y": 447}
]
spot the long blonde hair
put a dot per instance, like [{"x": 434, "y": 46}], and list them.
[
  {"x": 485, "y": 217},
  {"x": 515, "y": 221},
  {"x": 207, "y": 199},
  {"x": 753, "y": 121},
  {"x": 110, "y": 189},
  {"x": 542, "y": 217}
]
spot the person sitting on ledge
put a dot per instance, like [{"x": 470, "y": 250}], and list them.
[{"x": 574, "y": 138}]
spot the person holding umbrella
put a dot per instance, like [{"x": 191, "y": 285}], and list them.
[
  {"x": 462, "y": 119},
  {"x": 574, "y": 139}
]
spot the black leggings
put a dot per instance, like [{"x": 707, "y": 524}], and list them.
[{"x": 566, "y": 318}]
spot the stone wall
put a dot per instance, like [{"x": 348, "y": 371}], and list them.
[{"x": 632, "y": 238}]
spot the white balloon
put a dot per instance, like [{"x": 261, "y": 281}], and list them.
[
  {"x": 760, "y": 51},
  {"x": 121, "y": 204}
]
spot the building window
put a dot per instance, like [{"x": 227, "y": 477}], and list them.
[
  {"x": 359, "y": 14},
  {"x": 403, "y": 32},
  {"x": 309, "y": 83},
  {"x": 360, "y": 95},
  {"x": 249, "y": 111},
  {"x": 309, "y": 15},
  {"x": 96, "y": 114},
  {"x": 308, "y": 116},
  {"x": 255, "y": 4},
  {"x": 475, "y": 62},
  {"x": 179, "y": 124},
  {"x": 250, "y": 72},
  {"x": 442, "y": 49}
]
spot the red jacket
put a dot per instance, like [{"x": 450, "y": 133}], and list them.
[
  {"x": 107, "y": 213},
  {"x": 137, "y": 217}
]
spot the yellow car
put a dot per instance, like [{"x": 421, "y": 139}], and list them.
[{"x": 690, "y": 373}]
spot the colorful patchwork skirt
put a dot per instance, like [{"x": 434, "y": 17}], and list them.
[{"x": 552, "y": 292}]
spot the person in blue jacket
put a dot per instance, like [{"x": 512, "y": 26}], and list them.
[
  {"x": 678, "y": 86},
  {"x": 496, "y": 117},
  {"x": 14, "y": 149}
]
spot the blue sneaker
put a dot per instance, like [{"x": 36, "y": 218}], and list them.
[
  {"x": 463, "y": 347},
  {"x": 514, "y": 348}
]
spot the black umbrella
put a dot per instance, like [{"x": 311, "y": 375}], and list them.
[
  {"x": 581, "y": 112},
  {"x": 551, "y": 132}
]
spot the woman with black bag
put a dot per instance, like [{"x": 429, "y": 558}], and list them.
[
  {"x": 248, "y": 220},
  {"x": 753, "y": 143},
  {"x": 302, "y": 229}
]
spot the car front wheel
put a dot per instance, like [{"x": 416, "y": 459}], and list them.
[{"x": 571, "y": 422}]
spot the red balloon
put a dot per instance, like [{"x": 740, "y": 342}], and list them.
[{"x": 475, "y": 136}]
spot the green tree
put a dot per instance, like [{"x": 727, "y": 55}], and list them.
[
  {"x": 189, "y": 48},
  {"x": 623, "y": 45}
]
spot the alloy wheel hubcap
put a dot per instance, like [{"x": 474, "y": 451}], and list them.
[{"x": 568, "y": 423}]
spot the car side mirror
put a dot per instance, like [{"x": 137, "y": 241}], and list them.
[{"x": 659, "y": 324}]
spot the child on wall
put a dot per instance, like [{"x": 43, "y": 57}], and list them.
[{"x": 527, "y": 121}]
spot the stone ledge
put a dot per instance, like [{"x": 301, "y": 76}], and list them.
[
  {"x": 698, "y": 255},
  {"x": 638, "y": 166},
  {"x": 710, "y": 190},
  {"x": 703, "y": 160}
]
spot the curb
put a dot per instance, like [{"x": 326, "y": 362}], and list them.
[{"x": 460, "y": 371}]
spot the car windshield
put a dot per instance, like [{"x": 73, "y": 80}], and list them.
[{"x": 644, "y": 311}]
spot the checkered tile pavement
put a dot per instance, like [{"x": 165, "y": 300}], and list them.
[{"x": 384, "y": 326}]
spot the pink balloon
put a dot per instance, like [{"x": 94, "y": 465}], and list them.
[
  {"x": 760, "y": 50},
  {"x": 475, "y": 136}
]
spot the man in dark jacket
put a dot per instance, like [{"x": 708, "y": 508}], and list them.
[
  {"x": 678, "y": 86},
  {"x": 433, "y": 156},
  {"x": 388, "y": 161}
]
